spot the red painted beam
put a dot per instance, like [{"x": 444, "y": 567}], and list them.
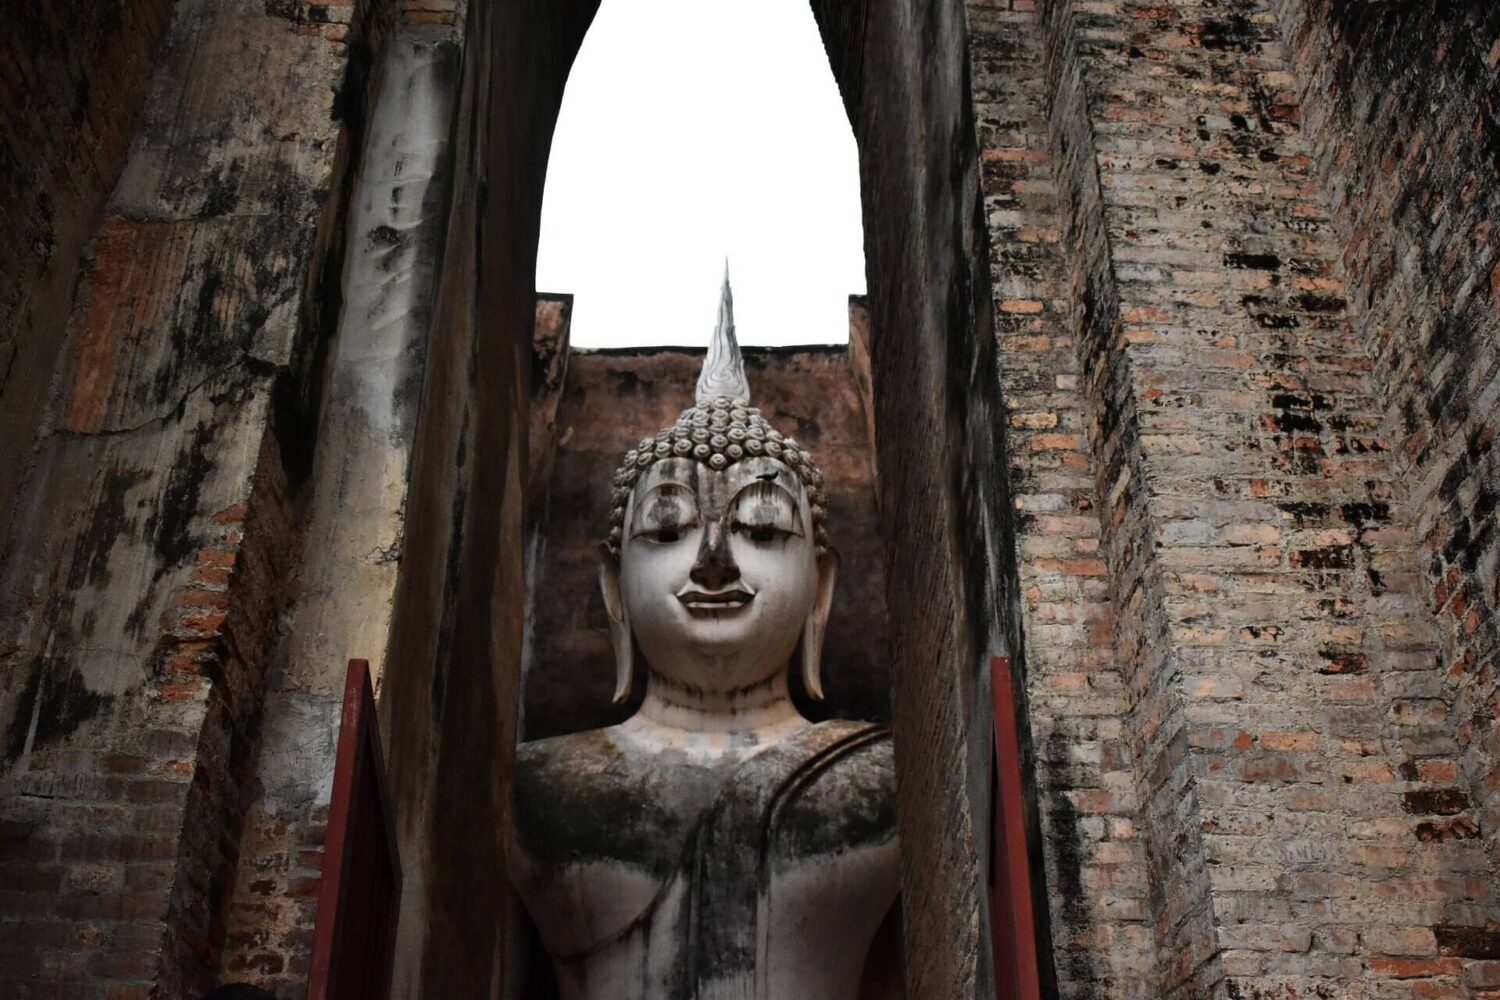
[
  {"x": 1012, "y": 917},
  {"x": 354, "y": 933}
]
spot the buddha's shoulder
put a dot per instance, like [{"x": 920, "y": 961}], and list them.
[
  {"x": 848, "y": 762},
  {"x": 592, "y": 747},
  {"x": 561, "y": 779},
  {"x": 595, "y": 796},
  {"x": 863, "y": 744},
  {"x": 570, "y": 761}
]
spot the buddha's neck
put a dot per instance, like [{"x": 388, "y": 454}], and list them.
[{"x": 761, "y": 707}]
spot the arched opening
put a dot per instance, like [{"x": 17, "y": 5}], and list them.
[
  {"x": 673, "y": 151},
  {"x": 690, "y": 134}
]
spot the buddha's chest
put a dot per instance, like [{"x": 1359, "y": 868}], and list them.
[{"x": 657, "y": 875}]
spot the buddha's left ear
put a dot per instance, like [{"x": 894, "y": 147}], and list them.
[
  {"x": 619, "y": 623},
  {"x": 817, "y": 625}
]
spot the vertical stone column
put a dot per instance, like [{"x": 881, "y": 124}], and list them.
[
  {"x": 1277, "y": 654},
  {"x": 450, "y": 694},
  {"x": 902, "y": 71}
]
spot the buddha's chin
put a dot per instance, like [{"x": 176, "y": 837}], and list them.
[
  {"x": 727, "y": 649},
  {"x": 722, "y": 628},
  {"x": 722, "y": 639}
]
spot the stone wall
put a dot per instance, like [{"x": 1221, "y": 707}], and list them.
[{"x": 224, "y": 360}]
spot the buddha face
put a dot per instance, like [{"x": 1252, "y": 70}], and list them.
[{"x": 718, "y": 573}]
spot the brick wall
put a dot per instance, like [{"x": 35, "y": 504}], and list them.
[
  {"x": 1160, "y": 774},
  {"x": 1403, "y": 127},
  {"x": 442, "y": 14},
  {"x": 1287, "y": 710}
]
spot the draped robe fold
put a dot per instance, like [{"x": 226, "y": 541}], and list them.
[{"x": 721, "y": 857}]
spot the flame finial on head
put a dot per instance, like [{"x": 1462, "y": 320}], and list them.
[{"x": 724, "y": 367}]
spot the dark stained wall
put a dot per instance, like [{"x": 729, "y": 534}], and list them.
[
  {"x": 904, "y": 72},
  {"x": 138, "y": 596},
  {"x": 73, "y": 76},
  {"x": 452, "y": 692}
]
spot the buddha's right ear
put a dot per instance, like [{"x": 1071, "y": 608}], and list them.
[
  {"x": 816, "y": 625},
  {"x": 619, "y": 622}
]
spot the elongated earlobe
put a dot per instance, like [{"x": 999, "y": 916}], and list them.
[
  {"x": 817, "y": 625},
  {"x": 619, "y": 623}
]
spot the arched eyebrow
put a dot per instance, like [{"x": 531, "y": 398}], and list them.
[
  {"x": 765, "y": 479},
  {"x": 673, "y": 485},
  {"x": 669, "y": 488}
]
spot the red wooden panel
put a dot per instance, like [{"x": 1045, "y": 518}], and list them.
[
  {"x": 354, "y": 934},
  {"x": 1012, "y": 917}
]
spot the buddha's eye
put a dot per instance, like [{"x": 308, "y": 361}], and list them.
[
  {"x": 764, "y": 512},
  {"x": 759, "y": 532},
  {"x": 665, "y": 515}
]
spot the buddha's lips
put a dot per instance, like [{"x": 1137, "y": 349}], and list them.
[{"x": 723, "y": 600}]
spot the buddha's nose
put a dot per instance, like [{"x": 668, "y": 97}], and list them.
[{"x": 715, "y": 568}]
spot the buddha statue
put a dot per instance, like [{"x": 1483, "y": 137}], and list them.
[{"x": 716, "y": 845}]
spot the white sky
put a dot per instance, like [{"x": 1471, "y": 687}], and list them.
[{"x": 691, "y": 130}]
